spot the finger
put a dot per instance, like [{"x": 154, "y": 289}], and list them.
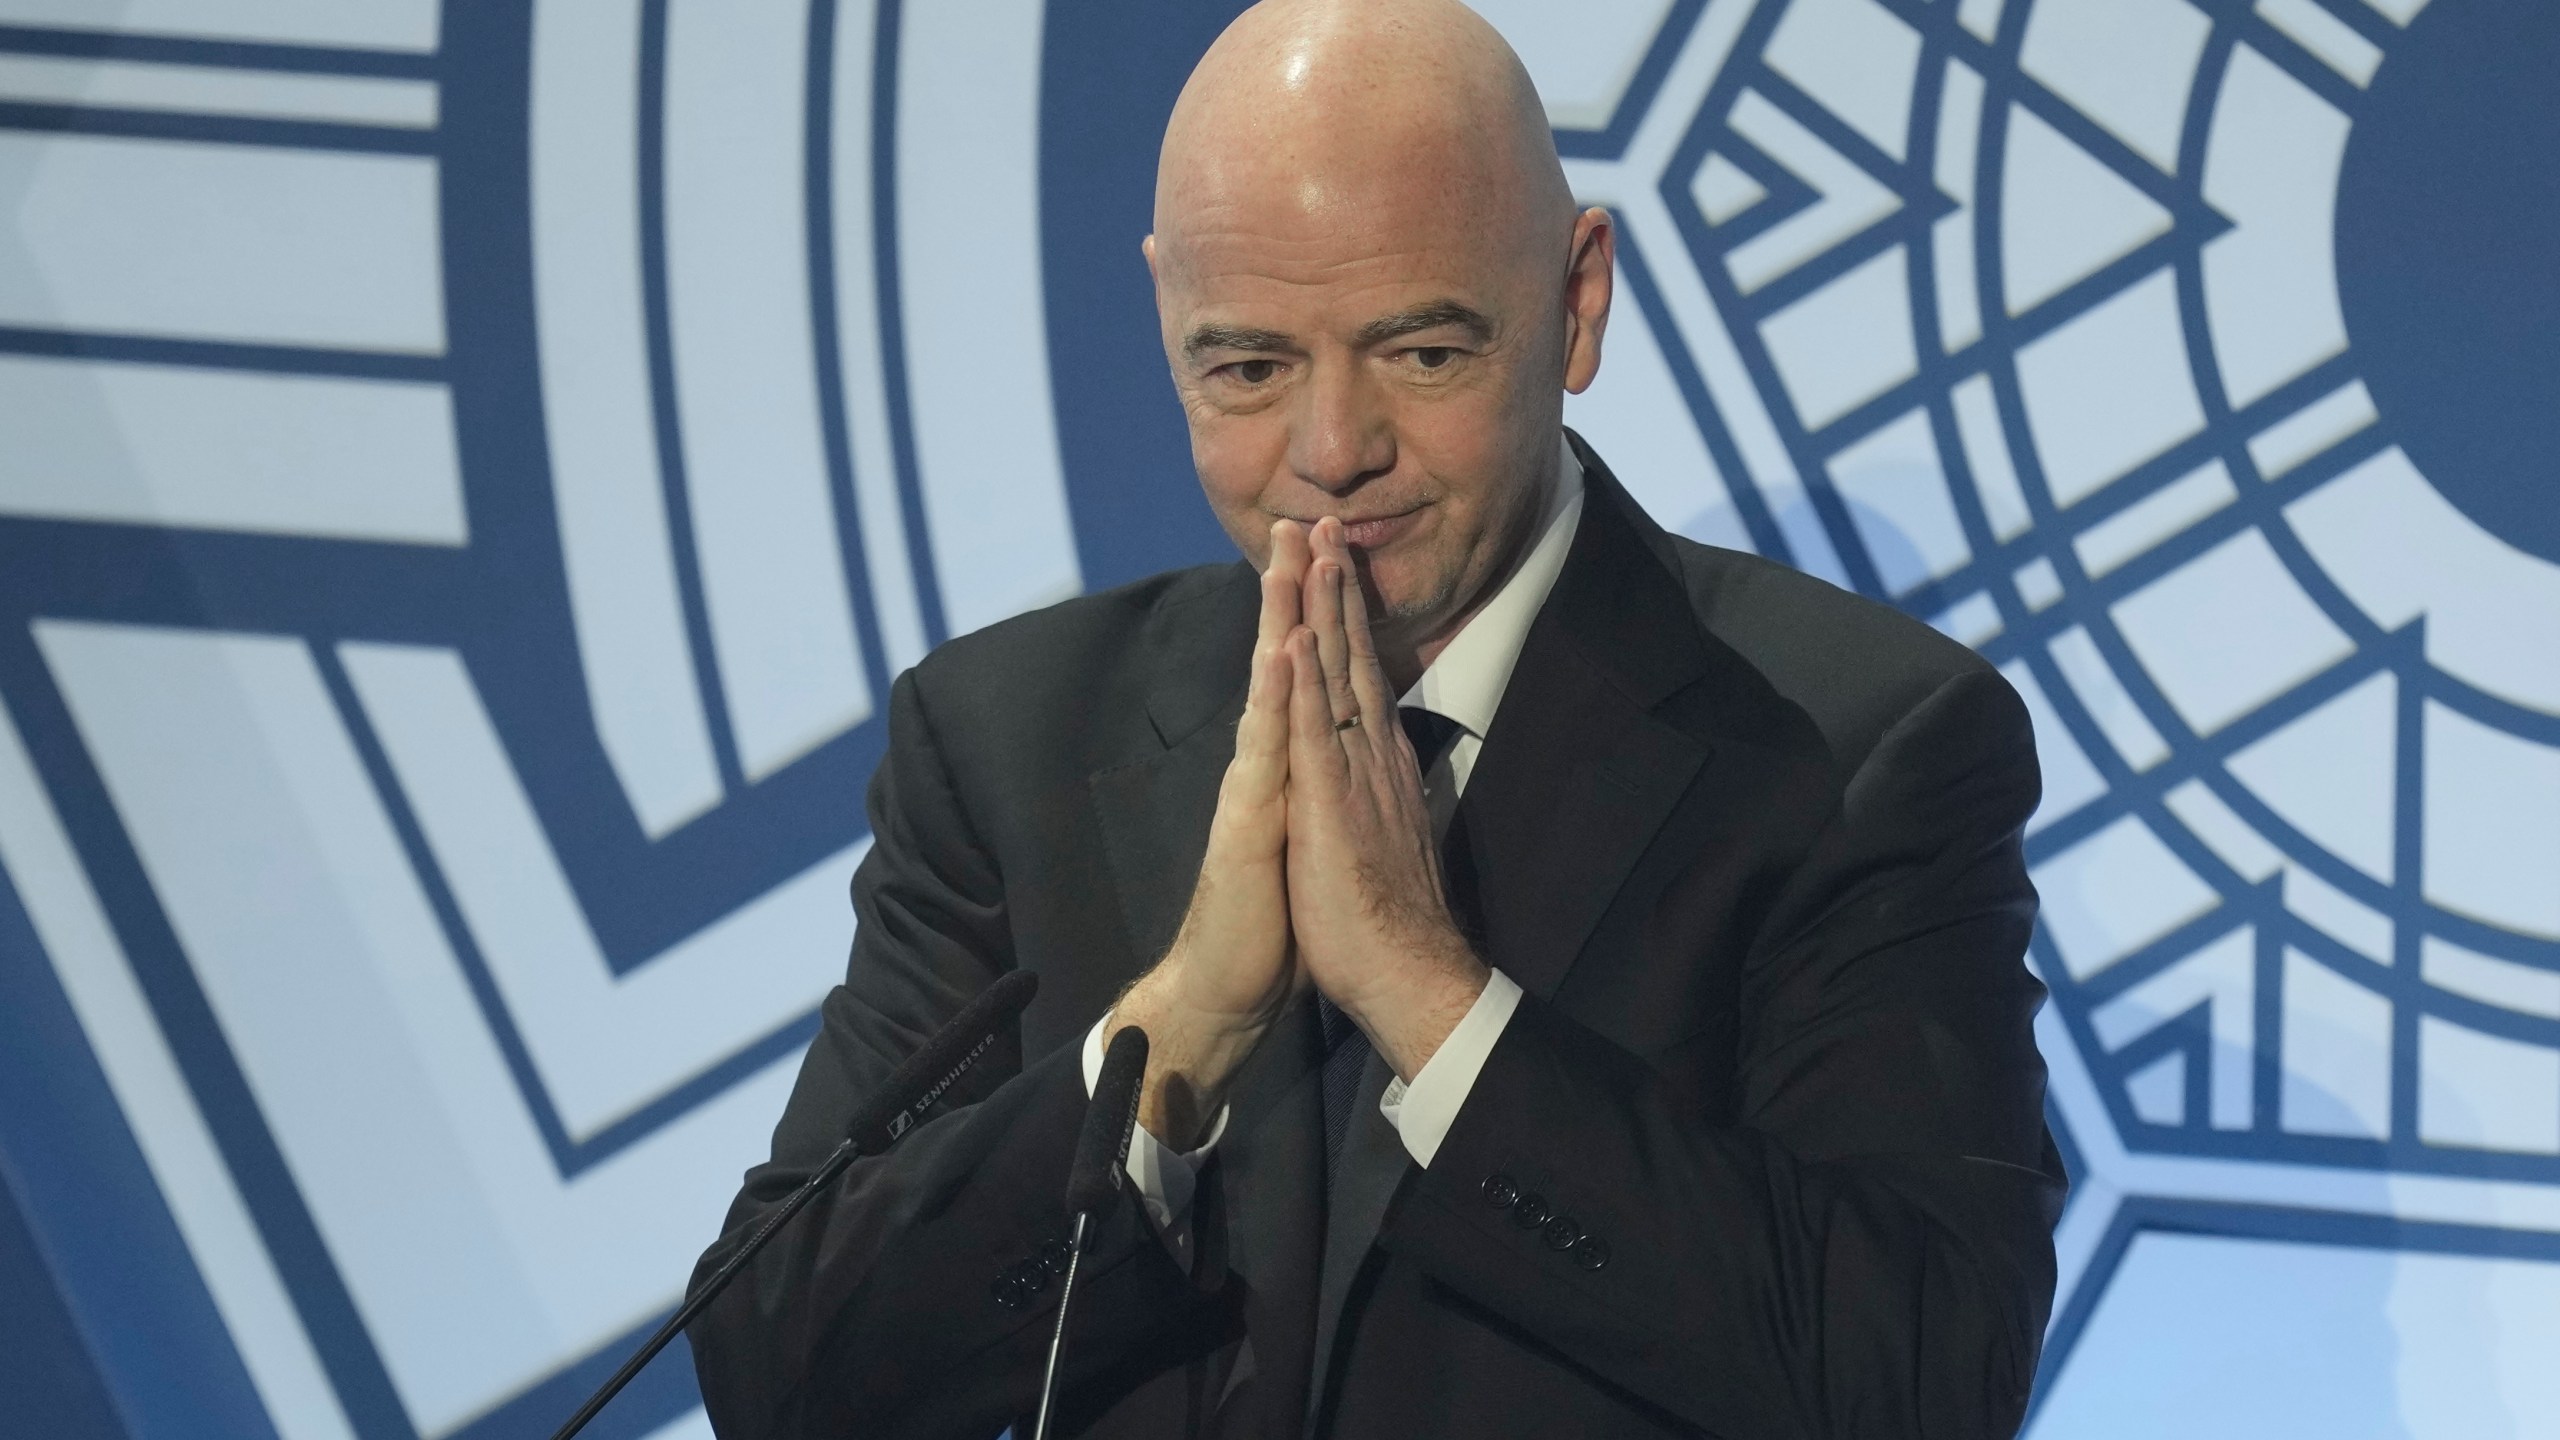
[
  {"x": 1264, "y": 728},
  {"x": 1325, "y": 542},
  {"x": 1263, "y": 731},
  {"x": 1368, "y": 674},
  {"x": 1313, "y": 742},
  {"x": 1333, "y": 648},
  {"x": 1256, "y": 782},
  {"x": 1282, "y": 579}
]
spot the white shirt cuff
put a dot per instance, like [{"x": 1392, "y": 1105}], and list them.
[
  {"x": 1164, "y": 1176},
  {"x": 1423, "y": 1111}
]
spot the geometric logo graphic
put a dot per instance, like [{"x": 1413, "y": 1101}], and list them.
[
  {"x": 2198, "y": 364},
  {"x": 469, "y": 476}
]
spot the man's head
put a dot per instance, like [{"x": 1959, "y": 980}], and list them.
[{"x": 1374, "y": 291}]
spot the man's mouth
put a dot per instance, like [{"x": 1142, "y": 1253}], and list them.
[{"x": 1378, "y": 532}]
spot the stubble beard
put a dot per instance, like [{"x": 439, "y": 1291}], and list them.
[{"x": 1408, "y": 622}]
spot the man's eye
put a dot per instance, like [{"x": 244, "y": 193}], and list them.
[
  {"x": 1432, "y": 357},
  {"x": 1254, "y": 372}
]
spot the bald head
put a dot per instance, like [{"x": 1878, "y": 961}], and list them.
[
  {"x": 1306, "y": 110},
  {"x": 1375, "y": 292}
]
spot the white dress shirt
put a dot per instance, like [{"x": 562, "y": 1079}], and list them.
[{"x": 1465, "y": 684}]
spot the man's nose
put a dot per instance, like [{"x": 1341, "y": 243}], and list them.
[{"x": 1342, "y": 435}]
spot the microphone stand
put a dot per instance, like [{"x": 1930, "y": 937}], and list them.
[
  {"x": 902, "y": 1100},
  {"x": 1102, "y": 1154},
  {"x": 1058, "y": 1335},
  {"x": 845, "y": 1154}
]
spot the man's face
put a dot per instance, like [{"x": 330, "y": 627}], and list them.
[{"x": 1382, "y": 357}]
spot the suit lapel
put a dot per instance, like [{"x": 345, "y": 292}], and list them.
[
  {"x": 1155, "y": 811},
  {"x": 1579, "y": 773}
]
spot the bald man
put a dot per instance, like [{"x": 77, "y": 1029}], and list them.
[{"x": 1583, "y": 967}]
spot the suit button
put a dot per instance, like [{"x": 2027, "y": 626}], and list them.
[
  {"x": 1031, "y": 1276},
  {"x": 1500, "y": 1191},
  {"x": 1054, "y": 1257},
  {"x": 1008, "y": 1292},
  {"x": 1531, "y": 1211},
  {"x": 1562, "y": 1233},
  {"x": 1591, "y": 1253}
]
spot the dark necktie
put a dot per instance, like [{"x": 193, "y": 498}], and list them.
[{"x": 1346, "y": 1050}]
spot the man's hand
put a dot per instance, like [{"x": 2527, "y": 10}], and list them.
[
  {"x": 1231, "y": 971},
  {"x": 1372, "y": 924}
]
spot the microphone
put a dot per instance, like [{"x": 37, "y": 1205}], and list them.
[
  {"x": 893, "y": 1109},
  {"x": 938, "y": 1063},
  {"x": 1100, "y": 1168}
]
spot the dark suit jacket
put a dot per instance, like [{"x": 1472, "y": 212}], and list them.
[{"x": 1750, "y": 845}]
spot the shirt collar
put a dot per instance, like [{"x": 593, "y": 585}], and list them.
[{"x": 1465, "y": 682}]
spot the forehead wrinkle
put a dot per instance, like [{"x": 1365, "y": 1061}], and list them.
[
  {"x": 1234, "y": 263},
  {"x": 1427, "y": 245}
]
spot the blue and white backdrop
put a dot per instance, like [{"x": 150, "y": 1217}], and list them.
[{"x": 468, "y": 475}]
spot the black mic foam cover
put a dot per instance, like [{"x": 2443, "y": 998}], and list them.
[
  {"x": 939, "y": 1063},
  {"x": 1103, "y": 1148}
]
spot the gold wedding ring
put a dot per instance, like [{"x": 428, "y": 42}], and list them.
[{"x": 1351, "y": 724}]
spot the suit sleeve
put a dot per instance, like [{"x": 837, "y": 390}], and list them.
[
  {"x": 1868, "y": 1251},
  {"x": 877, "y": 1310}
]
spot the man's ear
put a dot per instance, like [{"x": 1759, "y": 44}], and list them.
[
  {"x": 1588, "y": 283},
  {"x": 1155, "y": 274}
]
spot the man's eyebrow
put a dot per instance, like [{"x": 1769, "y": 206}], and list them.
[
  {"x": 1429, "y": 316},
  {"x": 1204, "y": 338}
]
